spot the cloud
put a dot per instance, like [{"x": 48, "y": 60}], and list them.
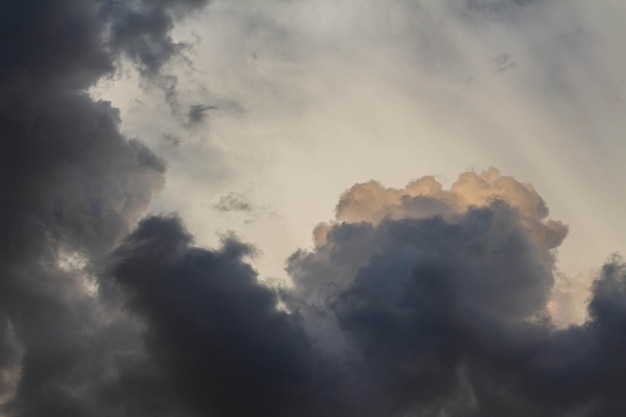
[
  {"x": 197, "y": 113},
  {"x": 440, "y": 297},
  {"x": 141, "y": 30},
  {"x": 233, "y": 202},
  {"x": 503, "y": 63},
  {"x": 425, "y": 197},
  {"x": 498, "y": 222},
  {"x": 70, "y": 183},
  {"x": 214, "y": 331},
  {"x": 171, "y": 139},
  {"x": 415, "y": 301},
  {"x": 408, "y": 314}
]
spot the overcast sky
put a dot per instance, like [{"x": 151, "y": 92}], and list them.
[{"x": 312, "y": 208}]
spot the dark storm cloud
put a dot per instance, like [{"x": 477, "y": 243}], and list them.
[
  {"x": 447, "y": 314},
  {"x": 216, "y": 333},
  {"x": 70, "y": 186},
  {"x": 417, "y": 295},
  {"x": 433, "y": 316},
  {"x": 428, "y": 290}
]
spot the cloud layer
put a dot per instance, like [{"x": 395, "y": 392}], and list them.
[{"x": 416, "y": 301}]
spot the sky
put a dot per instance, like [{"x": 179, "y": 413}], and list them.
[
  {"x": 279, "y": 208},
  {"x": 306, "y": 99}
]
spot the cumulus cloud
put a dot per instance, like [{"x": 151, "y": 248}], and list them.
[
  {"x": 425, "y": 197},
  {"x": 499, "y": 223},
  {"x": 441, "y": 297}
]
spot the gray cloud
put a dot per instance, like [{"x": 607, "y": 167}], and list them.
[
  {"x": 141, "y": 30},
  {"x": 370, "y": 218},
  {"x": 407, "y": 315},
  {"x": 171, "y": 139},
  {"x": 71, "y": 186},
  {"x": 214, "y": 332},
  {"x": 198, "y": 113},
  {"x": 233, "y": 202},
  {"x": 444, "y": 306}
]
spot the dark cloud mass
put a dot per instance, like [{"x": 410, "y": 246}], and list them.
[
  {"x": 70, "y": 187},
  {"x": 441, "y": 300},
  {"x": 214, "y": 332},
  {"x": 414, "y": 302}
]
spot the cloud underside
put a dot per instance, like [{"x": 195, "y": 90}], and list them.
[
  {"x": 417, "y": 301},
  {"x": 415, "y": 315}
]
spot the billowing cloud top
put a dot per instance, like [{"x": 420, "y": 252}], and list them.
[
  {"x": 425, "y": 197},
  {"x": 482, "y": 213}
]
